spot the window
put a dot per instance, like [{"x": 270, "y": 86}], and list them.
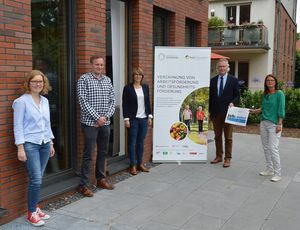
[
  {"x": 241, "y": 72},
  {"x": 190, "y": 33},
  {"x": 51, "y": 42},
  {"x": 160, "y": 27},
  {"x": 238, "y": 14}
]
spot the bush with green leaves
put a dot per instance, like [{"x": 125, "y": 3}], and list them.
[{"x": 292, "y": 106}]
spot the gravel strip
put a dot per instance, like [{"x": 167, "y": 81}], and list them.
[{"x": 63, "y": 201}]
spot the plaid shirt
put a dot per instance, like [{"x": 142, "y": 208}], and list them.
[{"x": 96, "y": 98}]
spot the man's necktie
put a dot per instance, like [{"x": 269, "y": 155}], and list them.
[{"x": 221, "y": 88}]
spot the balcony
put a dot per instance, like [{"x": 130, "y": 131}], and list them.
[{"x": 253, "y": 38}]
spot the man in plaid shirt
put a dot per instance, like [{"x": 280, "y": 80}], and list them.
[{"x": 97, "y": 102}]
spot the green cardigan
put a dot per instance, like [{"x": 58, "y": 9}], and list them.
[{"x": 273, "y": 107}]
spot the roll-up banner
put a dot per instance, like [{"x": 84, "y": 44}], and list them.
[{"x": 181, "y": 100}]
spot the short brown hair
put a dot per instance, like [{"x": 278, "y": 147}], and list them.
[
  {"x": 31, "y": 74},
  {"x": 95, "y": 57},
  {"x": 137, "y": 71}
]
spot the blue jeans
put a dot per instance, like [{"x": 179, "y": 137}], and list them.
[
  {"x": 37, "y": 159},
  {"x": 136, "y": 137},
  {"x": 91, "y": 136}
]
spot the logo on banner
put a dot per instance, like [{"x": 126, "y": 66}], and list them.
[
  {"x": 158, "y": 152},
  {"x": 193, "y": 153},
  {"x": 165, "y": 153},
  {"x": 161, "y": 57},
  {"x": 187, "y": 57}
]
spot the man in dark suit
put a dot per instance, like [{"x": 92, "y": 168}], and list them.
[{"x": 224, "y": 92}]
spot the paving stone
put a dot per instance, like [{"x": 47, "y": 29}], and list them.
[
  {"x": 203, "y": 222},
  {"x": 238, "y": 222}
]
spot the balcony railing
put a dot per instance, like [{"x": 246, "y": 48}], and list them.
[{"x": 238, "y": 35}]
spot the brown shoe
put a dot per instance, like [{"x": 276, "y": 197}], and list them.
[
  {"x": 142, "y": 168},
  {"x": 103, "y": 184},
  {"x": 133, "y": 170},
  {"x": 226, "y": 163},
  {"x": 87, "y": 192},
  {"x": 216, "y": 160}
]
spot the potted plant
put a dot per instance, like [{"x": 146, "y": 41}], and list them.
[
  {"x": 214, "y": 22},
  {"x": 214, "y": 32}
]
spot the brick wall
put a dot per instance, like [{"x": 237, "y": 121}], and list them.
[
  {"x": 142, "y": 37},
  {"x": 15, "y": 61},
  {"x": 286, "y": 48},
  {"x": 90, "y": 40}
]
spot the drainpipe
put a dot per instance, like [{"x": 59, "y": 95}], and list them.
[{"x": 277, "y": 36}]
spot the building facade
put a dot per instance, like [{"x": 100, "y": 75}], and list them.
[
  {"x": 260, "y": 39},
  {"x": 58, "y": 37}
]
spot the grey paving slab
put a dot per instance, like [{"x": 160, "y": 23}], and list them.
[
  {"x": 217, "y": 184},
  {"x": 138, "y": 216},
  {"x": 150, "y": 189},
  {"x": 282, "y": 218},
  {"x": 89, "y": 225},
  {"x": 100, "y": 215},
  {"x": 207, "y": 172},
  {"x": 173, "y": 177},
  {"x": 289, "y": 201},
  {"x": 157, "y": 226},
  {"x": 203, "y": 222},
  {"x": 237, "y": 193},
  {"x": 294, "y": 187},
  {"x": 188, "y": 184},
  {"x": 283, "y": 183},
  {"x": 266, "y": 197},
  {"x": 238, "y": 222},
  {"x": 221, "y": 208},
  {"x": 167, "y": 197},
  {"x": 87, "y": 204},
  {"x": 124, "y": 203},
  {"x": 252, "y": 178},
  {"x": 200, "y": 197},
  {"x": 63, "y": 222},
  {"x": 183, "y": 209}
]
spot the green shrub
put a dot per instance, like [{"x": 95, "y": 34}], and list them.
[
  {"x": 215, "y": 21},
  {"x": 292, "y": 106}
]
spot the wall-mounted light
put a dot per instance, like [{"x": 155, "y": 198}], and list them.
[{"x": 212, "y": 12}]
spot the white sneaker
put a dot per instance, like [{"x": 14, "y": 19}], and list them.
[
  {"x": 266, "y": 173},
  {"x": 42, "y": 215},
  {"x": 276, "y": 178}
]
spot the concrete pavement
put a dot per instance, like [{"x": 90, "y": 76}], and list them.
[{"x": 195, "y": 196}]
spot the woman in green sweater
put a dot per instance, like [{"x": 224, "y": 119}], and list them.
[{"x": 273, "y": 112}]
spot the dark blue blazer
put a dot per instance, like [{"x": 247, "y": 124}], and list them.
[
  {"x": 231, "y": 94},
  {"x": 130, "y": 104}
]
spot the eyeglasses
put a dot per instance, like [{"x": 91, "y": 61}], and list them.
[
  {"x": 270, "y": 80},
  {"x": 37, "y": 82}
]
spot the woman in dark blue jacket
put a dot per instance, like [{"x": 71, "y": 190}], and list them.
[{"x": 137, "y": 116}]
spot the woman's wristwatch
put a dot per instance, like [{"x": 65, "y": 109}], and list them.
[{"x": 280, "y": 126}]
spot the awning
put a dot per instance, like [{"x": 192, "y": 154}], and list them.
[{"x": 217, "y": 56}]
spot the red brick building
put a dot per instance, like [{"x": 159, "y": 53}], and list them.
[{"x": 58, "y": 37}]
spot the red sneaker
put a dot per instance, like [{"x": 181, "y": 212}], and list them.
[
  {"x": 34, "y": 219},
  {"x": 42, "y": 215}
]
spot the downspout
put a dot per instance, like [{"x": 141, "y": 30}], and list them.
[{"x": 277, "y": 36}]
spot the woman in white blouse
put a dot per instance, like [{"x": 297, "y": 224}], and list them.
[
  {"x": 33, "y": 137},
  {"x": 137, "y": 116}
]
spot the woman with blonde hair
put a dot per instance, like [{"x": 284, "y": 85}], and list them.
[
  {"x": 137, "y": 116},
  {"x": 33, "y": 137}
]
